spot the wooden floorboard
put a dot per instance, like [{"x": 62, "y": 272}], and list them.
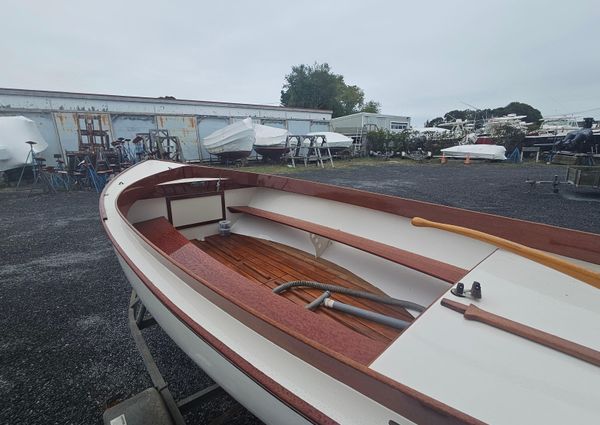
[{"x": 270, "y": 264}]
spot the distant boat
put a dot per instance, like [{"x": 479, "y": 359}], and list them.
[
  {"x": 433, "y": 131},
  {"x": 335, "y": 141},
  {"x": 270, "y": 141},
  {"x": 493, "y": 125},
  {"x": 232, "y": 142},
  {"x": 552, "y": 129},
  {"x": 15, "y": 132},
  {"x": 491, "y": 152}
]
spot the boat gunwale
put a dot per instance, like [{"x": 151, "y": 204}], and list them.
[
  {"x": 411, "y": 404},
  {"x": 577, "y": 244}
]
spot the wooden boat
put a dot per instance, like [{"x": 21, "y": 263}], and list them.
[
  {"x": 15, "y": 132},
  {"x": 232, "y": 142},
  {"x": 526, "y": 353}
]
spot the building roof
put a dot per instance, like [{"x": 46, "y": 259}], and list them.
[
  {"x": 96, "y": 96},
  {"x": 371, "y": 114}
]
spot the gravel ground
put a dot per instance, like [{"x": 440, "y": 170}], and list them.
[
  {"x": 494, "y": 188},
  {"x": 66, "y": 352}
]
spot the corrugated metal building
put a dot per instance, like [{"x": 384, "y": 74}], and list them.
[
  {"x": 355, "y": 124},
  {"x": 61, "y": 116}
]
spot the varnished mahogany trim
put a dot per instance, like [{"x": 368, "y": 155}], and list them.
[
  {"x": 260, "y": 302},
  {"x": 570, "y": 243},
  {"x": 431, "y": 267},
  {"x": 472, "y": 312}
]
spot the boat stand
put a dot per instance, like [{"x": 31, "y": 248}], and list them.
[
  {"x": 156, "y": 405},
  {"x": 313, "y": 152}
]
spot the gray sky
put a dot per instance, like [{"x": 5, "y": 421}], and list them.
[{"x": 418, "y": 58}]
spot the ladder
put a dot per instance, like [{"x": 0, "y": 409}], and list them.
[{"x": 358, "y": 142}]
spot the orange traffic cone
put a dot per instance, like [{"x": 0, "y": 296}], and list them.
[
  {"x": 468, "y": 159},
  {"x": 444, "y": 159}
]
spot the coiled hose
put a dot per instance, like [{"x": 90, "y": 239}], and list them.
[{"x": 347, "y": 291}]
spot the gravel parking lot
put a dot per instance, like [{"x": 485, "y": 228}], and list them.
[{"x": 66, "y": 352}]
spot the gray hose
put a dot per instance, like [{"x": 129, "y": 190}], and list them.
[
  {"x": 317, "y": 301},
  {"x": 366, "y": 314},
  {"x": 340, "y": 289}
]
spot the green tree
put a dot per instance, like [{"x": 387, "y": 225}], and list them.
[
  {"x": 318, "y": 87},
  {"x": 479, "y": 116},
  {"x": 434, "y": 122},
  {"x": 372, "y": 107}
]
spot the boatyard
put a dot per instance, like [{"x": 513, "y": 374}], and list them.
[
  {"x": 67, "y": 352},
  {"x": 235, "y": 213}
]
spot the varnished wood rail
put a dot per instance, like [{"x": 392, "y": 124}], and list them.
[
  {"x": 429, "y": 266},
  {"x": 581, "y": 273}
]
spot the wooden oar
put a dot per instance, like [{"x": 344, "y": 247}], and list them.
[{"x": 586, "y": 275}]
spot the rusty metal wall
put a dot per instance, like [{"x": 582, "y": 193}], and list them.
[
  {"x": 127, "y": 126},
  {"x": 66, "y": 126},
  {"x": 319, "y": 126},
  {"x": 274, "y": 123},
  {"x": 298, "y": 126},
  {"x": 185, "y": 128},
  {"x": 122, "y": 116},
  {"x": 46, "y": 101}
]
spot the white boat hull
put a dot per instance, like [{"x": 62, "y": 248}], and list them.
[
  {"x": 319, "y": 390},
  {"x": 237, "y": 384},
  {"x": 14, "y": 133}
]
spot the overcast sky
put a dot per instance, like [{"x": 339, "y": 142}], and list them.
[{"x": 418, "y": 58}]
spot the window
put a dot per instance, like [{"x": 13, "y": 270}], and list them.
[{"x": 397, "y": 126}]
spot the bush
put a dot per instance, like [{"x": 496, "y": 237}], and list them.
[{"x": 387, "y": 141}]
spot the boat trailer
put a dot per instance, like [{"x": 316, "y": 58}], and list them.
[
  {"x": 586, "y": 177},
  {"x": 157, "y": 405}
]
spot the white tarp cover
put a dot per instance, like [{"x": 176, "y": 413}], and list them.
[
  {"x": 269, "y": 136},
  {"x": 334, "y": 140},
  {"x": 433, "y": 130},
  {"x": 236, "y": 137},
  {"x": 14, "y": 133},
  {"x": 493, "y": 152}
]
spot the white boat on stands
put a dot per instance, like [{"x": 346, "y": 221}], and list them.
[
  {"x": 552, "y": 130},
  {"x": 232, "y": 142},
  {"x": 335, "y": 141},
  {"x": 490, "y": 152},
  {"x": 270, "y": 141},
  {"x": 15, "y": 132},
  {"x": 362, "y": 355}
]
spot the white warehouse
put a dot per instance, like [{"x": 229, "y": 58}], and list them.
[
  {"x": 355, "y": 125},
  {"x": 62, "y": 117}
]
